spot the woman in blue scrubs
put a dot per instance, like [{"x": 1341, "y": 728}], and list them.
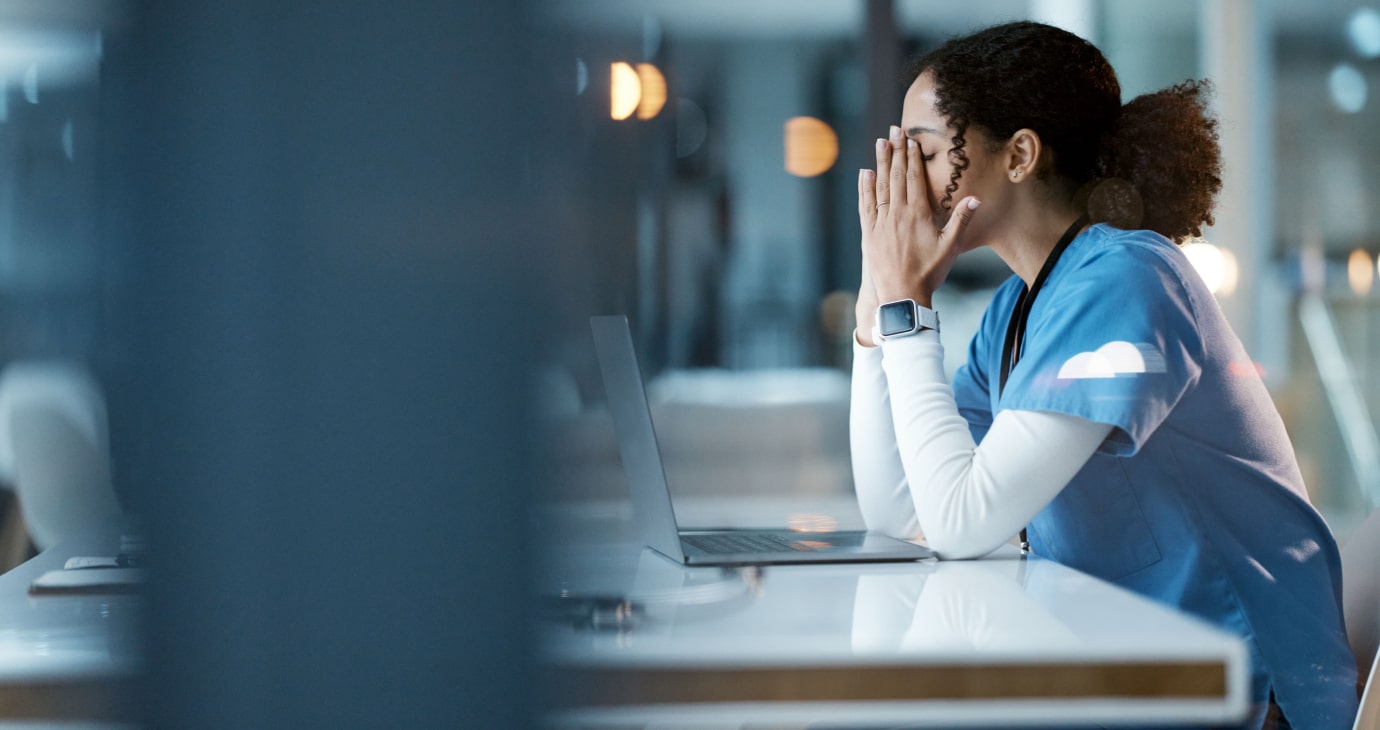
[{"x": 1106, "y": 412}]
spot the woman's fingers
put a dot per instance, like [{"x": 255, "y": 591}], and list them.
[
  {"x": 957, "y": 222},
  {"x": 867, "y": 200},
  {"x": 917, "y": 186},
  {"x": 898, "y": 169},
  {"x": 902, "y": 250},
  {"x": 883, "y": 178}
]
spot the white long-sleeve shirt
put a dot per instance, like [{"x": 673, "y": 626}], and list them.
[{"x": 918, "y": 471}]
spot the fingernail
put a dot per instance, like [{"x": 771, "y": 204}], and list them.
[
  {"x": 896, "y": 134},
  {"x": 973, "y": 203},
  {"x": 910, "y": 143},
  {"x": 881, "y": 145}
]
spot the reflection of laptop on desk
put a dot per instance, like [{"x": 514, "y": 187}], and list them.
[{"x": 632, "y": 419}]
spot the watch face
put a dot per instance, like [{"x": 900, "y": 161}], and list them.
[{"x": 895, "y": 318}]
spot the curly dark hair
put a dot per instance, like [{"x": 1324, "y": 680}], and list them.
[{"x": 1153, "y": 163}]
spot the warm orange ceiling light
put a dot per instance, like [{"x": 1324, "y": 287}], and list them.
[
  {"x": 625, "y": 90},
  {"x": 811, "y": 147},
  {"x": 653, "y": 91},
  {"x": 1360, "y": 273}
]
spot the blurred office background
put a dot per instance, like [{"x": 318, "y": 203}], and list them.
[
  {"x": 293, "y": 245},
  {"x": 312, "y": 252},
  {"x": 720, "y": 143}
]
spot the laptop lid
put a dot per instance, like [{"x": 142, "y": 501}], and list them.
[
  {"x": 651, "y": 494},
  {"x": 632, "y": 420}
]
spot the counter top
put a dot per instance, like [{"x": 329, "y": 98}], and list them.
[{"x": 1002, "y": 640}]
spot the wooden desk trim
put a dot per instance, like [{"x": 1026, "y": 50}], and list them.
[
  {"x": 111, "y": 699},
  {"x": 631, "y": 687}
]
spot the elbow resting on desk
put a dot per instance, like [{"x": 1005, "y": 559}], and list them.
[
  {"x": 947, "y": 543},
  {"x": 951, "y": 546},
  {"x": 960, "y": 522},
  {"x": 955, "y": 513}
]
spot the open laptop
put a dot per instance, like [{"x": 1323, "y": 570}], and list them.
[{"x": 651, "y": 496}]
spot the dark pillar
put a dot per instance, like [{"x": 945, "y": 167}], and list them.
[
  {"x": 885, "y": 87},
  {"x": 328, "y": 211}
]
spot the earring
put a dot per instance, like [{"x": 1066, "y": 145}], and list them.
[{"x": 1016, "y": 172}]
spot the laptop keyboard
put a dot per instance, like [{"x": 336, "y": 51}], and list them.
[{"x": 726, "y": 544}]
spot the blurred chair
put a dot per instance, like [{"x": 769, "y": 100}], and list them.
[
  {"x": 1361, "y": 604},
  {"x": 55, "y": 449}
]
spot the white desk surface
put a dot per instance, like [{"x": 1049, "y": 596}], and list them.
[
  {"x": 66, "y": 657},
  {"x": 997, "y": 641}
]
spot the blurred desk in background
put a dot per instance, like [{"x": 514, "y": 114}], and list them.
[
  {"x": 721, "y": 432},
  {"x": 67, "y": 657},
  {"x": 1001, "y": 641}
]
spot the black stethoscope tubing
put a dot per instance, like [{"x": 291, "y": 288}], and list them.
[{"x": 1015, "y": 329}]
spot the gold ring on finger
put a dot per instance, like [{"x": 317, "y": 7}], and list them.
[{"x": 879, "y": 205}]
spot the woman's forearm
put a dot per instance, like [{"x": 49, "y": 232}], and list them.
[
  {"x": 966, "y": 498},
  {"x": 880, "y": 480}
]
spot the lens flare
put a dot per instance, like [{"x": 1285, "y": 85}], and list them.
[
  {"x": 1217, "y": 266},
  {"x": 692, "y": 127},
  {"x": 581, "y": 76},
  {"x": 1347, "y": 87},
  {"x": 1363, "y": 29}
]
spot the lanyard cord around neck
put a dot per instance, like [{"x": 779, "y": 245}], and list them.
[{"x": 1015, "y": 329}]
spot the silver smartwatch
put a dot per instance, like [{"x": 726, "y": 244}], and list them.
[{"x": 905, "y": 317}]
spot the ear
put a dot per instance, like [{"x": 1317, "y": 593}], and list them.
[{"x": 1024, "y": 154}]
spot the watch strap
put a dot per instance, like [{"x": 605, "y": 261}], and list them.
[{"x": 926, "y": 318}]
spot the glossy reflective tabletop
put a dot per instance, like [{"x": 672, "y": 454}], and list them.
[
  {"x": 66, "y": 656},
  {"x": 1000, "y": 641}
]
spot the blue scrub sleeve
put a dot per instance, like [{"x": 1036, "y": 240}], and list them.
[
  {"x": 1112, "y": 338},
  {"x": 970, "y": 383}
]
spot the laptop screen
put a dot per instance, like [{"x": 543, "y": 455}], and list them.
[{"x": 632, "y": 420}]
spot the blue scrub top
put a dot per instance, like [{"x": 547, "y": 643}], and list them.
[{"x": 1195, "y": 499}]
